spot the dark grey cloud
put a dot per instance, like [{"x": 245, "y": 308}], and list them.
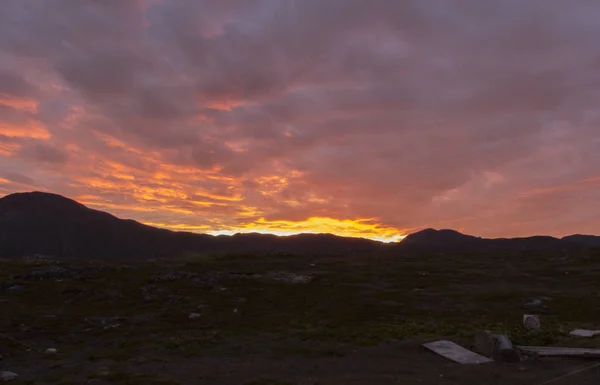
[
  {"x": 14, "y": 85},
  {"x": 45, "y": 153}
]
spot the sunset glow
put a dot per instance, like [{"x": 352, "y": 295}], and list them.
[
  {"x": 362, "y": 228},
  {"x": 362, "y": 119}
]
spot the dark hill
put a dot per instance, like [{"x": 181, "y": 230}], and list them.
[
  {"x": 49, "y": 224},
  {"x": 53, "y": 225},
  {"x": 451, "y": 241},
  {"x": 583, "y": 240}
]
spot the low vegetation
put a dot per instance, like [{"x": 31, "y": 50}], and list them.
[{"x": 131, "y": 319}]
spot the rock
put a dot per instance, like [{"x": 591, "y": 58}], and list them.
[
  {"x": 8, "y": 376},
  {"x": 14, "y": 288},
  {"x": 171, "y": 277},
  {"x": 531, "y": 321},
  {"x": 105, "y": 322},
  {"x": 97, "y": 381},
  {"x": 175, "y": 300},
  {"x": 194, "y": 315},
  {"x": 504, "y": 350},
  {"x": 284, "y": 277},
  {"x": 103, "y": 371},
  {"x": 56, "y": 273},
  {"x": 496, "y": 346},
  {"x": 484, "y": 343},
  {"x": 537, "y": 305},
  {"x": 51, "y": 351},
  {"x": 153, "y": 292}
]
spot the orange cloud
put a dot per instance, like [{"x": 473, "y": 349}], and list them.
[
  {"x": 9, "y": 149},
  {"x": 225, "y": 104},
  {"x": 115, "y": 143},
  {"x": 32, "y": 129},
  {"x": 22, "y": 104}
]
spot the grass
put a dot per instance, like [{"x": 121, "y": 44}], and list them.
[
  {"x": 357, "y": 301},
  {"x": 125, "y": 378},
  {"x": 269, "y": 381}
]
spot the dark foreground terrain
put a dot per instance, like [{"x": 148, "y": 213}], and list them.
[{"x": 279, "y": 319}]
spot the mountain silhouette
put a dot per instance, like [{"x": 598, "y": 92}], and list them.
[
  {"x": 49, "y": 224},
  {"x": 451, "y": 241}
]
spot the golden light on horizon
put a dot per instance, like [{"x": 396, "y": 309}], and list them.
[{"x": 359, "y": 228}]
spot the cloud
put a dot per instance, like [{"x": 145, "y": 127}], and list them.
[
  {"x": 18, "y": 178},
  {"x": 45, "y": 153},
  {"x": 12, "y": 85},
  {"x": 233, "y": 114}
]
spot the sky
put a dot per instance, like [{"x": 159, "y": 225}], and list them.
[{"x": 368, "y": 118}]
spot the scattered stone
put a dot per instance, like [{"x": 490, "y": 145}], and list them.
[
  {"x": 74, "y": 273},
  {"x": 55, "y": 273},
  {"x": 10, "y": 287},
  {"x": 38, "y": 258},
  {"x": 97, "y": 381},
  {"x": 504, "y": 350},
  {"x": 484, "y": 343},
  {"x": 171, "y": 277},
  {"x": 213, "y": 280},
  {"x": 105, "y": 322},
  {"x": 103, "y": 371},
  {"x": 8, "y": 376},
  {"x": 140, "y": 319},
  {"x": 282, "y": 276},
  {"x": 153, "y": 292},
  {"x": 496, "y": 346},
  {"x": 537, "y": 304},
  {"x": 14, "y": 288},
  {"x": 531, "y": 321},
  {"x": 175, "y": 300}
]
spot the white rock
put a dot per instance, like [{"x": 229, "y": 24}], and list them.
[
  {"x": 193, "y": 315},
  {"x": 531, "y": 321},
  {"x": 51, "y": 351},
  {"x": 8, "y": 376}
]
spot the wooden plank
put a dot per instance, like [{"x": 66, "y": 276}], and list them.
[
  {"x": 584, "y": 333},
  {"x": 558, "y": 351},
  {"x": 456, "y": 352}
]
